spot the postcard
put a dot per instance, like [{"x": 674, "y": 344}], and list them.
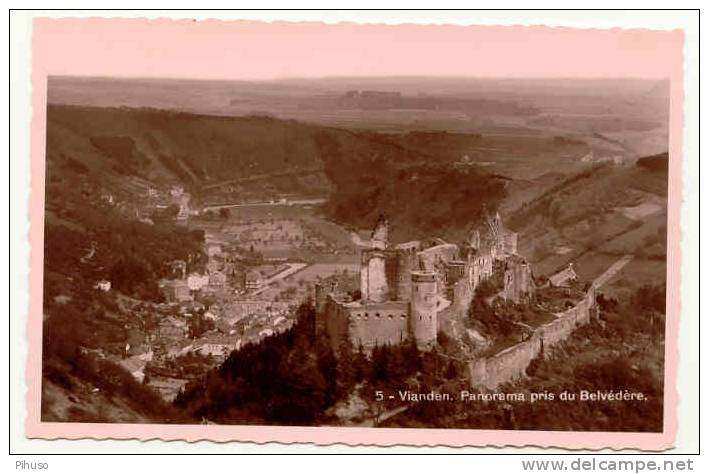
[{"x": 353, "y": 233}]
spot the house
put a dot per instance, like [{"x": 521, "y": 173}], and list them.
[
  {"x": 225, "y": 328},
  {"x": 217, "y": 279},
  {"x": 195, "y": 307},
  {"x": 253, "y": 281},
  {"x": 214, "y": 249},
  {"x": 168, "y": 388},
  {"x": 147, "y": 356},
  {"x": 178, "y": 349},
  {"x": 135, "y": 366},
  {"x": 179, "y": 268},
  {"x": 103, "y": 285},
  {"x": 216, "y": 345},
  {"x": 172, "y": 328},
  {"x": 213, "y": 266},
  {"x": 196, "y": 282},
  {"x": 564, "y": 277},
  {"x": 176, "y": 290},
  {"x": 183, "y": 293}
]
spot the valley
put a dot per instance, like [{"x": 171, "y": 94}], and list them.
[{"x": 183, "y": 229}]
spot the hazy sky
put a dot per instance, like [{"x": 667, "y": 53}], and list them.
[{"x": 258, "y": 50}]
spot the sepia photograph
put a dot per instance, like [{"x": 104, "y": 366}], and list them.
[{"x": 409, "y": 227}]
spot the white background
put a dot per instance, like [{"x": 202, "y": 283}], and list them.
[{"x": 18, "y": 183}]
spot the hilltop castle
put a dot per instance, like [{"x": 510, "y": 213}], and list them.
[{"x": 409, "y": 289}]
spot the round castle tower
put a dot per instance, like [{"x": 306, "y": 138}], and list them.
[{"x": 423, "y": 317}]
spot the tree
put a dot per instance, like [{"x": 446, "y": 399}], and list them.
[
  {"x": 199, "y": 325},
  {"x": 451, "y": 371},
  {"x": 380, "y": 363}
]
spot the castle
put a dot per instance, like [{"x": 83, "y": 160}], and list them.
[{"x": 409, "y": 289}]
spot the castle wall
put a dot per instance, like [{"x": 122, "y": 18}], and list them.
[
  {"x": 446, "y": 319},
  {"x": 455, "y": 270},
  {"x": 567, "y": 322},
  {"x": 480, "y": 269},
  {"x": 511, "y": 363},
  {"x": 505, "y": 366},
  {"x": 440, "y": 253},
  {"x": 462, "y": 294},
  {"x": 509, "y": 243},
  {"x": 378, "y": 324},
  {"x": 336, "y": 322}
]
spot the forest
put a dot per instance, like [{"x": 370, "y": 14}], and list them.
[
  {"x": 373, "y": 174},
  {"x": 292, "y": 378}
]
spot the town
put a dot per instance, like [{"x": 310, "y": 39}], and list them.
[
  {"x": 252, "y": 275},
  {"x": 261, "y": 267}
]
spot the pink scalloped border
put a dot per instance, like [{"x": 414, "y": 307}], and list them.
[{"x": 182, "y": 48}]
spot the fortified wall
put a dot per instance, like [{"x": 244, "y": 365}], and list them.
[
  {"x": 366, "y": 326},
  {"x": 511, "y": 363}
]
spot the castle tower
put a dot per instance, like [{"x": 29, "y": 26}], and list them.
[
  {"x": 380, "y": 234},
  {"x": 374, "y": 283},
  {"x": 423, "y": 317},
  {"x": 474, "y": 239},
  {"x": 373, "y": 276},
  {"x": 405, "y": 264}
]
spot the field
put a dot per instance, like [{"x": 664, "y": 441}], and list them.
[{"x": 513, "y": 151}]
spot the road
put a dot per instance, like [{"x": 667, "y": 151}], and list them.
[
  {"x": 292, "y": 268},
  {"x": 375, "y": 420},
  {"x": 611, "y": 271},
  {"x": 289, "y": 202}
]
